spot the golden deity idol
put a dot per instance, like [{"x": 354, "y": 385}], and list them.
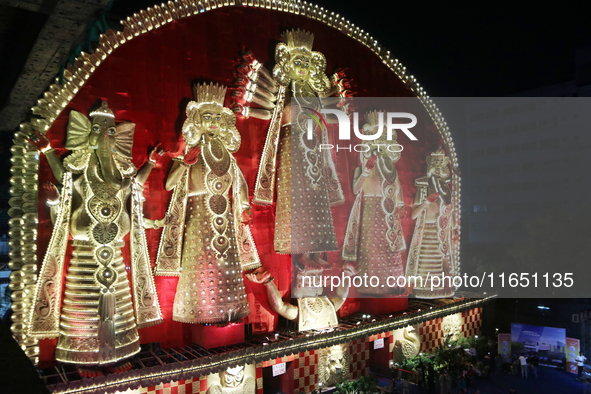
[
  {"x": 98, "y": 319},
  {"x": 435, "y": 237},
  {"x": 307, "y": 184},
  {"x": 374, "y": 235},
  {"x": 206, "y": 239}
]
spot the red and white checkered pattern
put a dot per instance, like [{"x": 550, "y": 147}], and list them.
[
  {"x": 472, "y": 322},
  {"x": 430, "y": 332},
  {"x": 279, "y": 360},
  {"x": 190, "y": 386},
  {"x": 259, "y": 378},
  {"x": 359, "y": 356},
  {"x": 304, "y": 373},
  {"x": 381, "y": 335},
  {"x": 195, "y": 386}
]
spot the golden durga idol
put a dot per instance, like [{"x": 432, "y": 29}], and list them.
[{"x": 206, "y": 239}]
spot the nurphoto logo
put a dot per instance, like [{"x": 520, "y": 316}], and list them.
[{"x": 389, "y": 121}]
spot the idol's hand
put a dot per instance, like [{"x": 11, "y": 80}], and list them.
[
  {"x": 433, "y": 197},
  {"x": 156, "y": 154},
  {"x": 39, "y": 141},
  {"x": 260, "y": 277},
  {"x": 192, "y": 155},
  {"x": 51, "y": 193},
  {"x": 349, "y": 269},
  {"x": 371, "y": 162},
  {"x": 246, "y": 216}
]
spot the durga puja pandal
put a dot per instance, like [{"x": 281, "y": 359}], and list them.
[{"x": 187, "y": 189}]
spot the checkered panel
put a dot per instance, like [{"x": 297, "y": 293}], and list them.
[
  {"x": 278, "y": 360},
  {"x": 431, "y": 334},
  {"x": 304, "y": 373},
  {"x": 472, "y": 322},
  {"x": 305, "y": 370},
  {"x": 190, "y": 386},
  {"x": 259, "y": 378},
  {"x": 381, "y": 335},
  {"x": 390, "y": 343},
  {"x": 359, "y": 353}
]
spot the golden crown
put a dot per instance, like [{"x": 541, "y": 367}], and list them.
[
  {"x": 298, "y": 39},
  {"x": 103, "y": 110},
  {"x": 438, "y": 152},
  {"x": 373, "y": 118},
  {"x": 208, "y": 94}
]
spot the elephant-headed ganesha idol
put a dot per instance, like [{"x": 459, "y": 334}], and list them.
[
  {"x": 95, "y": 319},
  {"x": 206, "y": 238}
]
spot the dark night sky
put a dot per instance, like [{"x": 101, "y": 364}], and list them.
[{"x": 479, "y": 49}]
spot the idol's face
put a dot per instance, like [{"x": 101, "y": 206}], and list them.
[
  {"x": 438, "y": 166},
  {"x": 299, "y": 66},
  {"x": 233, "y": 376},
  {"x": 102, "y": 133},
  {"x": 437, "y": 163},
  {"x": 335, "y": 360},
  {"x": 211, "y": 122}
]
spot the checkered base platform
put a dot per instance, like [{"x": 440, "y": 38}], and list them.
[
  {"x": 192, "y": 386},
  {"x": 431, "y": 332}
]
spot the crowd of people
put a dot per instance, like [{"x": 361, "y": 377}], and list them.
[
  {"x": 430, "y": 381},
  {"x": 460, "y": 380}
]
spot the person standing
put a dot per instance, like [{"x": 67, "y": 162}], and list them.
[
  {"x": 462, "y": 384},
  {"x": 523, "y": 362},
  {"x": 535, "y": 362}
]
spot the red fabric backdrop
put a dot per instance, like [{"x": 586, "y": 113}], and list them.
[{"x": 148, "y": 81}]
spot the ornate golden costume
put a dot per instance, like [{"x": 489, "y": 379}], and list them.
[
  {"x": 307, "y": 184},
  {"x": 435, "y": 240},
  {"x": 97, "y": 324},
  {"x": 204, "y": 241},
  {"x": 374, "y": 235}
]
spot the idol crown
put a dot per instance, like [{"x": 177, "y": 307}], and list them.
[
  {"x": 439, "y": 152},
  {"x": 373, "y": 118},
  {"x": 207, "y": 94},
  {"x": 103, "y": 110},
  {"x": 298, "y": 39}
]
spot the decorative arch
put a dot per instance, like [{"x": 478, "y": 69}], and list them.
[{"x": 79, "y": 88}]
